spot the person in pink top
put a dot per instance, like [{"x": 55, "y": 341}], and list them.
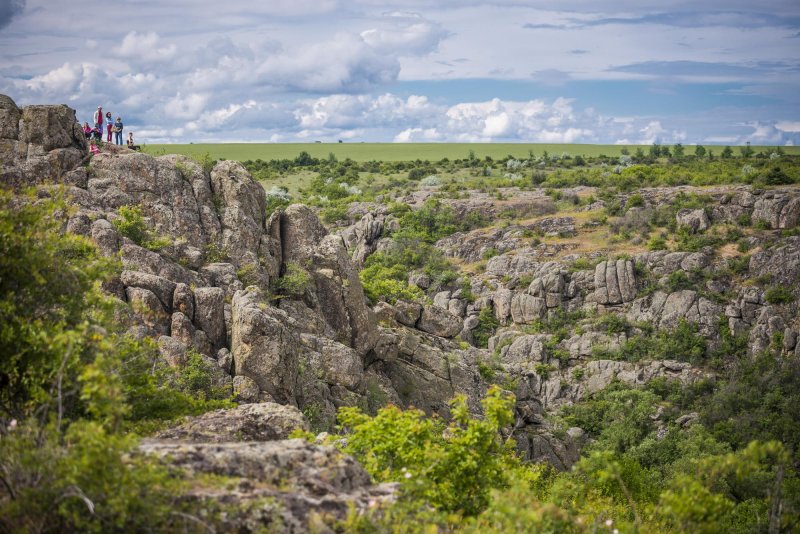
[
  {"x": 109, "y": 125},
  {"x": 93, "y": 148},
  {"x": 87, "y": 130}
]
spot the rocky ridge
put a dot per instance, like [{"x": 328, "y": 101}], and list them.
[{"x": 218, "y": 287}]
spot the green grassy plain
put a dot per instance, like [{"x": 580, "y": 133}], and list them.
[{"x": 400, "y": 151}]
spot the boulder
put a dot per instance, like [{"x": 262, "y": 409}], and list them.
[
  {"x": 526, "y": 309},
  {"x": 439, "y": 322},
  {"x": 9, "y": 118},
  {"x": 147, "y": 306},
  {"x": 694, "y": 220},
  {"x": 250, "y": 422},
  {"x": 263, "y": 348},
  {"x": 161, "y": 287},
  {"x": 287, "y": 485},
  {"x": 209, "y": 314}
]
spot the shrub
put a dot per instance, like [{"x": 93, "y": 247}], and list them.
[
  {"x": 131, "y": 224},
  {"x": 778, "y": 295},
  {"x": 294, "y": 282},
  {"x": 451, "y": 467},
  {"x": 487, "y": 324}
]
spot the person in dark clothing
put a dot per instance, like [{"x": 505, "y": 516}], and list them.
[{"x": 118, "y": 131}]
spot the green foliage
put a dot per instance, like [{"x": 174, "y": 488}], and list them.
[
  {"x": 487, "y": 324},
  {"x": 452, "y": 467},
  {"x": 779, "y": 295},
  {"x": 294, "y": 282},
  {"x": 388, "y": 283},
  {"x": 49, "y": 302},
  {"x": 131, "y": 224},
  {"x": 71, "y": 385},
  {"x": 87, "y": 481}
]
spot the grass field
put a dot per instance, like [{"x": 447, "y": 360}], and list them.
[{"x": 397, "y": 151}]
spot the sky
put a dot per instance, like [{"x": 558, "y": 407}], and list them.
[{"x": 549, "y": 71}]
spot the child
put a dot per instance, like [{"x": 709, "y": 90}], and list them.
[
  {"x": 93, "y": 148},
  {"x": 131, "y": 144}
]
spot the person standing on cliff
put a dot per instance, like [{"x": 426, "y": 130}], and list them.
[
  {"x": 118, "y": 131},
  {"x": 98, "y": 118},
  {"x": 109, "y": 125}
]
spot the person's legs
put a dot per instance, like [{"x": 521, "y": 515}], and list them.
[
  {"x": 118, "y": 138},
  {"x": 108, "y": 137}
]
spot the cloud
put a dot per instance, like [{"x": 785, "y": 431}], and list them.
[
  {"x": 144, "y": 47},
  {"x": 405, "y": 34},
  {"x": 10, "y": 9}
]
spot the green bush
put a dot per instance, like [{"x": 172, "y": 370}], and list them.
[
  {"x": 487, "y": 324},
  {"x": 131, "y": 224},
  {"x": 779, "y": 295},
  {"x": 294, "y": 282},
  {"x": 452, "y": 467}
]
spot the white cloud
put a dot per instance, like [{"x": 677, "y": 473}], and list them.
[
  {"x": 405, "y": 34},
  {"x": 185, "y": 107},
  {"x": 144, "y": 47}
]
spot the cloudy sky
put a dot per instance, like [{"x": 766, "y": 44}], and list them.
[{"x": 573, "y": 71}]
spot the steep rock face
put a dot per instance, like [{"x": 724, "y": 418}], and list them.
[
  {"x": 40, "y": 144},
  {"x": 339, "y": 296}
]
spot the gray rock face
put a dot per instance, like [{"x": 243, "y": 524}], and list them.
[
  {"x": 779, "y": 209},
  {"x": 9, "y": 118},
  {"x": 147, "y": 306},
  {"x": 362, "y": 238},
  {"x": 695, "y": 220},
  {"x": 526, "y": 309},
  {"x": 209, "y": 314},
  {"x": 782, "y": 262},
  {"x": 339, "y": 295},
  {"x": 250, "y": 422},
  {"x": 263, "y": 349},
  {"x": 161, "y": 287},
  {"x": 614, "y": 282},
  {"x": 285, "y": 485},
  {"x": 439, "y": 322},
  {"x": 39, "y": 144}
]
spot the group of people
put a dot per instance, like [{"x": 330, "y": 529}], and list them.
[{"x": 106, "y": 124}]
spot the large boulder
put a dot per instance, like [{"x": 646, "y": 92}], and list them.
[
  {"x": 337, "y": 292},
  {"x": 694, "y": 220},
  {"x": 9, "y": 118},
  {"x": 51, "y": 127},
  {"x": 263, "y": 348},
  {"x": 250, "y": 422},
  {"x": 209, "y": 314},
  {"x": 287, "y": 486},
  {"x": 439, "y": 322}
]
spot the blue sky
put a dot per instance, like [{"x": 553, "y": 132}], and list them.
[{"x": 456, "y": 70}]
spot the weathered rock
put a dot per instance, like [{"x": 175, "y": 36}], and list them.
[
  {"x": 407, "y": 313},
  {"x": 9, "y": 118},
  {"x": 147, "y": 306},
  {"x": 525, "y": 308},
  {"x": 105, "y": 237},
  {"x": 288, "y": 485},
  {"x": 263, "y": 349},
  {"x": 439, "y": 322},
  {"x": 209, "y": 314},
  {"x": 245, "y": 389},
  {"x": 695, "y": 220},
  {"x": 251, "y": 422},
  {"x": 161, "y": 287},
  {"x": 172, "y": 351},
  {"x": 183, "y": 300}
]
